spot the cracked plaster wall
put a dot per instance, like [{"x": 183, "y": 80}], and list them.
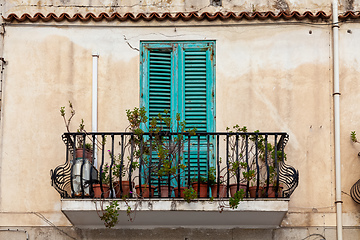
[{"x": 284, "y": 71}]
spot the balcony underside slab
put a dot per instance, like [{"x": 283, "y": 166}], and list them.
[{"x": 153, "y": 213}]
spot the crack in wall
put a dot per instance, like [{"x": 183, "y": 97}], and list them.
[{"x": 134, "y": 48}]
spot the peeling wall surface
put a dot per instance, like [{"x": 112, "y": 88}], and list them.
[{"x": 270, "y": 75}]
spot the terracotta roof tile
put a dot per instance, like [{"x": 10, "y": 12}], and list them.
[
  {"x": 168, "y": 16},
  {"x": 349, "y": 15}
]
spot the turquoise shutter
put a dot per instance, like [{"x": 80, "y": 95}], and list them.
[
  {"x": 195, "y": 90},
  {"x": 197, "y": 97},
  {"x": 160, "y": 72},
  {"x": 160, "y": 75},
  {"x": 179, "y": 77}
]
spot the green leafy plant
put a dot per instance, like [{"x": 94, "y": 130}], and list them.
[
  {"x": 249, "y": 176},
  {"x": 202, "y": 179},
  {"x": 238, "y": 196},
  {"x": 111, "y": 214},
  {"x": 212, "y": 176},
  {"x": 166, "y": 149},
  {"x": 267, "y": 150},
  {"x": 239, "y": 154},
  {"x": 104, "y": 174},
  {"x": 190, "y": 194},
  {"x": 353, "y": 137}
]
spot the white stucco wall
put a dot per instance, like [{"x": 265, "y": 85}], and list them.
[{"x": 272, "y": 78}]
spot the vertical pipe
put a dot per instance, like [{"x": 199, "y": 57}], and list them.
[
  {"x": 95, "y": 57},
  {"x": 336, "y": 96}
]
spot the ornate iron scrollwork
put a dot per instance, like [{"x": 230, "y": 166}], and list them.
[
  {"x": 289, "y": 176},
  {"x": 61, "y": 175},
  {"x": 355, "y": 192}
]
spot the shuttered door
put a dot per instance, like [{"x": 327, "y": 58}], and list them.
[{"x": 179, "y": 77}]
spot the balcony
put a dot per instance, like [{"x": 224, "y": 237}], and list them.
[{"x": 176, "y": 179}]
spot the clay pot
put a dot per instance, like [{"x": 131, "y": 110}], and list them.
[
  {"x": 272, "y": 190},
  {"x": 182, "y": 189},
  {"x": 222, "y": 190},
  {"x": 145, "y": 190},
  {"x": 252, "y": 191},
  {"x": 203, "y": 189},
  {"x": 125, "y": 187},
  {"x": 97, "y": 190},
  {"x": 88, "y": 154},
  {"x": 164, "y": 189},
  {"x": 233, "y": 188}
]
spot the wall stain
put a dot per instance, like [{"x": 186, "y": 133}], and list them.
[
  {"x": 281, "y": 5},
  {"x": 349, "y": 5}
]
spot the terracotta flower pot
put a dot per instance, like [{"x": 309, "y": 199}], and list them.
[
  {"x": 272, "y": 190},
  {"x": 88, "y": 154},
  {"x": 125, "y": 187},
  {"x": 252, "y": 191},
  {"x": 97, "y": 190},
  {"x": 222, "y": 190},
  {"x": 164, "y": 189},
  {"x": 182, "y": 189},
  {"x": 203, "y": 189},
  {"x": 145, "y": 190},
  {"x": 233, "y": 188}
]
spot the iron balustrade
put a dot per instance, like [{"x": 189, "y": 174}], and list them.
[{"x": 254, "y": 162}]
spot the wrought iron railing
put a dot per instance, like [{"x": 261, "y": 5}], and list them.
[{"x": 164, "y": 164}]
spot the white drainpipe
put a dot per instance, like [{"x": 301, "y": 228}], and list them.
[
  {"x": 336, "y": 96},
  {"x": 95, "y": 57}
]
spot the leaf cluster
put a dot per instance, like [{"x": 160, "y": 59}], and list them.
[
  {"x": 238, "y": 196},
  {"x": 190, "y": 194},
  {"x": 110, "y": 216}
]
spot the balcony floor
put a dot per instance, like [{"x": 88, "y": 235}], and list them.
[{"x": 152, "y": 213}]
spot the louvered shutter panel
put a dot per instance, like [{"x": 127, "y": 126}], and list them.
[
  {"x": 159, "y": 82},
  {"x": 160, "y": 72},
  {"x": 195, "y": 103}
]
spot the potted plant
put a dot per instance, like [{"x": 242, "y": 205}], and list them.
[
  {"x": 239, "y": 157},
  {"x": 122, "y": 186},
  {"x": 82, "y": 162},
  {"x": 235, "y": 168},
  {"x": 166, "y": 153},
  {"x": 272, "y": 184},
  {"x": 139, "y": 149},
  {"x": 102, "y": 189},
  {"x": 200, "y": 185},
  {"x": 271, "y": 189},
  {"x": 218, "y": 188},
  {"x": 255, "y": 190},
  {"x": 79, "y": 150}
]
